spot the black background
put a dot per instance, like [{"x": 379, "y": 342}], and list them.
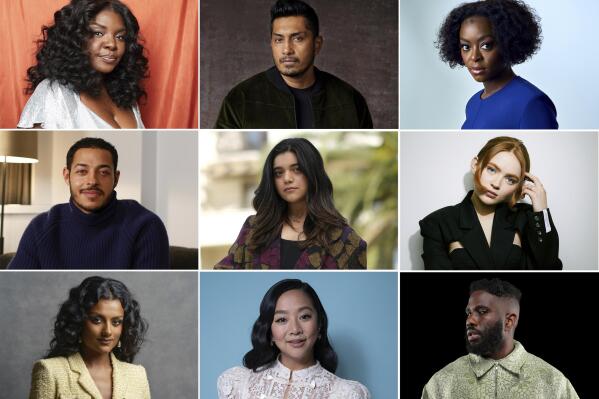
[{"x": 558, "y": 319}]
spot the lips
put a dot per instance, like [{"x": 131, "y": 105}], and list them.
[
  {"x": 491, "y": 194},
  {"x": 91, "y": 193},
  {"x": 288, "y": 60},
  {"x": 473, "y": 335},
  {"x": 105, "y": 341},
  {"x": 297, "y": 343},
  {"x": 475, "y": 70},
  {"x": 290, "y": 189},
  {"x": 109, "y": 58}
]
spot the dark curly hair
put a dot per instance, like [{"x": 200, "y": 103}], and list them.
[
  {"x": 73, "y": 312},
  {"x": 271, "y": 209},
  {"x": 62, "y": 54},
  {"x": 497, "y": 287},
  {"x": 516, "y": 29},
  {"x": 263, "y": 352}
]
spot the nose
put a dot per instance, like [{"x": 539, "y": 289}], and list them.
[
  {"x": 294, "y": 327},
  {"x": 496, "y": 182},
  {"x": 288, "y": 47},
  {"x": 92, "y": 179},
  {"x": 475, "y": 54},
  {"x": 471, "y": 320},
  {"x": 107, "y": 330},
  {"x": 109, "y": 41},
  {"x": 288, "y": 177}
]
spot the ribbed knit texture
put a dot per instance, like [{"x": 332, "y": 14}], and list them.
[{"x": 122, "y": 235}]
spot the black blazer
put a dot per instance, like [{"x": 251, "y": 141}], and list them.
[{"x": 459, "y": 223}]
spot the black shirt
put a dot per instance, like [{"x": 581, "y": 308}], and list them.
[
  {"x": 290, "y": 253},
  {"x": 304, "y": 115}
]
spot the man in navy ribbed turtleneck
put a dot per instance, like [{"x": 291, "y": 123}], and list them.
[{"x": 93, "y": 230}]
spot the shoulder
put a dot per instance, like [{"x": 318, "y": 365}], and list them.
[
  {"x": 49, "y": 106},
  {"x": 52, "y": 368},
  {"x": 47, "y": 220},
  {"x": 332, "y": 82},
  {"x": 540, "y": 369},
  {"x": 134, "y": 209},
  {"x": 454, "y": 371},
  {"x": 348, "y": 389},
  {"x": 132, "y": 371},
  {"x": 230, "y": 381},
  {"x": 442, "y": 215},
  {"x": 249, "y": 85}
]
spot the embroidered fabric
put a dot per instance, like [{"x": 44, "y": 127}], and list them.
[
  {"x": 278, "y": 382},
  {"x": 55, "y": 106}
]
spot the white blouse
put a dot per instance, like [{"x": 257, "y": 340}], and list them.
[
  {"x": 55, "y": 106},
  {"x": 277, "y": 382}
]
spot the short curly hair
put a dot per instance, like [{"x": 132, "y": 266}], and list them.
[
  {"x": 73, "y": 312},
  {"x": 516, "y": 28},
  {"x": 62, "y": 54}
]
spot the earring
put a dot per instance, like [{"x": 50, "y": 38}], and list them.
[{"x": 118, "y": 345}]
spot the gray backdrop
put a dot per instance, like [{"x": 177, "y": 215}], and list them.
[
  {"x": 360, "y": 47},
  {"x": 29, "y": 302}
]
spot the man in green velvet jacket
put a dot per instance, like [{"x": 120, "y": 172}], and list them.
[{"x": 294, "y": 94}]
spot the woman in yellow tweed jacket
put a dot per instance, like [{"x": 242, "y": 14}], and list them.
[{"x": 97, "y": 333}]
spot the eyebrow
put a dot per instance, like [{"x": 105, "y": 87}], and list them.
[
  {"x": 103, "y": 27},
  {"x": 291, "y": 35},
  {"x": 479, "y": 39},
  {"x": 84, "y": 165},
  {"x": 291, "y": 166},
  {"x": 299, "y": 310}
]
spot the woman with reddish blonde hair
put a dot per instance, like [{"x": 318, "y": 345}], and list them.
[{"x": 489, "y": 229}]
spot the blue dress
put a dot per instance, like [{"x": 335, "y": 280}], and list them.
[{"x": 518, "y": 105}]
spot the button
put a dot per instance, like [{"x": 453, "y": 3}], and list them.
[
  {"x": 540, "y": 239},
  {"x": 537, "y": 218},
  {"x": 538, "y": 224},
  {"x": 539, "y": 233}
]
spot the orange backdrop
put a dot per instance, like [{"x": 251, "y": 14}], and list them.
[{"x": 169, "y": 29}]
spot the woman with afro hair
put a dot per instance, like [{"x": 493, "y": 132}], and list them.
[
  {"x": 488, "y": 37},
  {"x": 97, "y": 333},
  {"x": 88, "y": 71}
]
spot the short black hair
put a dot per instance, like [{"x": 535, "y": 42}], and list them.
[
  {"x": 497, "y": 287},
  {"x": 263, "y": 353},
  {"x": 516, "y": 28},
  {"x": 92, "y": 142},
  {"x": 291, "y": 8}
]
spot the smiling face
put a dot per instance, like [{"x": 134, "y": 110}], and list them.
[
  {"x": 293, "y": 46},
  {"x": 479, "y": 49},
  {"x": 290, "y": 181},
  {"x": 295, "y": 329},
  {"x": 499, "y": 179},
  {"x": 91, "y": 178},
  {"x": 107, "y": 44},
  {"x": 102, "y": 327}
]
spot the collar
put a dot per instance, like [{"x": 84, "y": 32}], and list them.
[
  {"x": 95, "y": 217},
  {"x": 78, "y": 366},
  {"x": 274, "y": 76},
  {"x": 512, "y": 362},
  {"x": 309, "y": 373}
]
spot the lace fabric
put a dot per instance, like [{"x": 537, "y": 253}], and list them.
[{"x": 276, "y": 381}]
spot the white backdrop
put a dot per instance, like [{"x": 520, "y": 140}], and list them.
[
  {"x": 434, "y": 96},
  {"x": 435, "y": 172}
]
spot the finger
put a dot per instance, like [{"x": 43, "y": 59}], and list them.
[{"x": 534, "y": 178}]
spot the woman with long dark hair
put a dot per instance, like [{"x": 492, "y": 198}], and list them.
[
  {"x": 291, "y": 356},
  {"x": 488, "y": 37},
  {"x": 97, "y": 333},
  {"x": 296, "y": 223},
  {"x": 490, "y": 229},
  {"x": 89, "y": 67}
]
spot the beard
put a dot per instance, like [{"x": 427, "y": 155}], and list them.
[
  {"x": 296, "y": 71},
  {"x": 490, "y": 341}
]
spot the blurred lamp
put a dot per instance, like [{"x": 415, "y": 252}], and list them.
[{"x": 15, "y": 147}]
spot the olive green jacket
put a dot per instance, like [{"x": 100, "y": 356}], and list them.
[
  {"x": 265, "y": 102},
  {"x": 519, "y": 375}
]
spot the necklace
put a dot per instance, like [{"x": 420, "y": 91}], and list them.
[{"x": 299, "y": 232}]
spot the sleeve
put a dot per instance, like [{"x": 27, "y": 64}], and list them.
[
  {"x": 236, "y": 257},
  {"x": 151, "y": 246},
  {"x": 358, "y": 260},
  {"x": 26, "y": 256},
  {"x": 363, "y": 112},
  {"x": 543, "y": 245},
  {"x": 146, "y": 389},
  {"x": 46, "y": 107},
  {"x": 230, "y": 382},
  {"x": 540, "y": 113},
  {"x": 570, "y": 392},
  {"x": 229, "y": 115},
  {"x": 435, "y": 251},
  {"x": 43, "y": 385}
]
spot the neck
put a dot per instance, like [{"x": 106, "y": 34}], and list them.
[
  {"x": 480, "y": 207},
  {"x": 494, "y": 85},
  {"x": 95, "y": 360},
  {"x": 507, "y": 346},
  {"x": 301, "y": 81},
  {"x": 297, "y": 211},
  {"x": 297, "y": 364}
]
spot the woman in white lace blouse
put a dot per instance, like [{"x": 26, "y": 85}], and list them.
[{"x": 291, "y": 357}]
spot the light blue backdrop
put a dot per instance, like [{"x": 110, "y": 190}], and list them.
[
  {"x": 362, "y": 312},
  {"x": 435, "y": 96}
]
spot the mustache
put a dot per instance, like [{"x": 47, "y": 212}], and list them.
[{"x": 94, "y": 187}]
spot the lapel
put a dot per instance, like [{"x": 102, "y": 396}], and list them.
[
  {"x": 119, "y": 380},
  {"x": 473, "y": 238},
  {"x": 474, "y": 241},
  {"x": 77, "y": 365}
]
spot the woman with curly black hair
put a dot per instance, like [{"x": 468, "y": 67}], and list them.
[
  {"x": 89, "y": 68},
  {"x": 296, "y": 223},
  {"x": 97, "y": 333},
  {"x": 291, "y": 356},
  {"x": 489, "y": 37}
]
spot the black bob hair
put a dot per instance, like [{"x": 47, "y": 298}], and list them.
[
  {"x": 516, "y": 29},
  {"x": 73, "y": 312},
  {"x": 293, "y": 8},
  {"x": 62, "y": 54},
  {"x": 263, "y": 353},
  {"x": 92, "y": 142},
  {"x": 497, "y": 287},
  {"x": 271, "y": 209}
]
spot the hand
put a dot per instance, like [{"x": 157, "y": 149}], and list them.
[{"x": 536, "y": 192}]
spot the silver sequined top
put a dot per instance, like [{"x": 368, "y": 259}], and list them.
[{"x": 55, "y": 106}]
